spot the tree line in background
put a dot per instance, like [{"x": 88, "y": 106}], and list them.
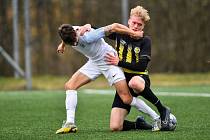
[{"x": 180, "y": 31}]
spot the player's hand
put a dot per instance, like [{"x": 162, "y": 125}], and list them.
[
  {"x": 61, "y": 48},
  {"x": 138, "y": 34},
  {"x": 84, "y": 29},
  {"x": 112, "y": 59}
]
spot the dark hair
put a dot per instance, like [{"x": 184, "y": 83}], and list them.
[{"x": 67, "y": 34}]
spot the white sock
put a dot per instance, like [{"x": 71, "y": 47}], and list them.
[
  {"x": 71, "y": 104},
  {"x": 143, "y": 107}
]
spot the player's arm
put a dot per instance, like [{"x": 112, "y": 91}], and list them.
[
  {"x": 83, "y": 29},
  {"x": 61, "y": 47},
  {"x": 140, "y": 66},
  {"x": 122, "y": 29},
  {"x": 99, "y": 33},
  {"x": 93, "y": 35}
]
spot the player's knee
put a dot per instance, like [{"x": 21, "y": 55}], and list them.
[
  {"x": 70, "y": 86},
  {"x": 137, "y": 83},
  {"x": 125, "y": 97},
  {"x": 116, "y": 127},
  {"x": 127, "y": 100}
]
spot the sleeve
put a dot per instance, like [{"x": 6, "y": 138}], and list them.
[
  {"x": 146, "y": 48},
  {"x": 92, "y": 36}
]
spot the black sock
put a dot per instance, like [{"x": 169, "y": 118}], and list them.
[
  {"x": 151, "y": 97},
  {"x": 160, "y": 107},
  {"x": 128, "y": 125}
]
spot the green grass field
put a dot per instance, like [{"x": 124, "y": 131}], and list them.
[{"x": 38, "y": 114}]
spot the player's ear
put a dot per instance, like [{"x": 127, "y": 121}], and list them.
[{"x": 129, "y": 21}]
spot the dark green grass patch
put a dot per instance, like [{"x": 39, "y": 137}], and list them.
[{"x": 38, "y": 114}]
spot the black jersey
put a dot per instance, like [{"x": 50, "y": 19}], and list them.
[{"x": 134, "y": 54}]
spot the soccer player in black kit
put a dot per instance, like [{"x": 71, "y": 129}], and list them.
[{"x": 133, "y": 56}]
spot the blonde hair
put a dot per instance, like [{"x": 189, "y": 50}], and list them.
[{"x": 140, "y": 12}]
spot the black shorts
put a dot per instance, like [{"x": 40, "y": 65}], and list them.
[{"x": 118, "y": 101}]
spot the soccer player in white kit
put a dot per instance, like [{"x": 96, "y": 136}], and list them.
[{"x": 93, "y": 46}]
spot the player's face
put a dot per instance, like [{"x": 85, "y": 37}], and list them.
[{"x": 135, "y": 23}]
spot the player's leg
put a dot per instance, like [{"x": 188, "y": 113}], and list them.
[
  {"x": 117, "y": 118},
  {"x": 118, "y": 122},
  {"x": 116, "y": 77},
  {"x": 71, "y": 86},
  {"x": 137, "y": 83},
  {"x": 77, "y": 80},
  {"x": 137, "y": 103},
  {"x": 83, "y": 76},
  {"x": 124, "y": 93}
]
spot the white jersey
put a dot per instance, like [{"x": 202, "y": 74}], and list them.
[{"x": 93, "y": 46}]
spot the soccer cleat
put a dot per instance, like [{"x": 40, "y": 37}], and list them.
[
  {"x": 165, "y": 118},
  {"x": 156, "y": 125},
  {"x": 142, "y": 124},
  {"x": 67, "y": 128}
]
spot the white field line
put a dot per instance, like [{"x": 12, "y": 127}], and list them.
[{"x": 186, "y": 94}]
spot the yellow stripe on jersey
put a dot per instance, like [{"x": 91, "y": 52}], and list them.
[
  {"x": 121, "y": 48},
  {"x": 137, "y": 51},
  {"x": 135, "y": 72},
  {"x": 137, "y": 58},
  {"x": 129, "y": 54}
]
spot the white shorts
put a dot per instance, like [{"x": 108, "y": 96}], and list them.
[{"x": 112, "y": 73}]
